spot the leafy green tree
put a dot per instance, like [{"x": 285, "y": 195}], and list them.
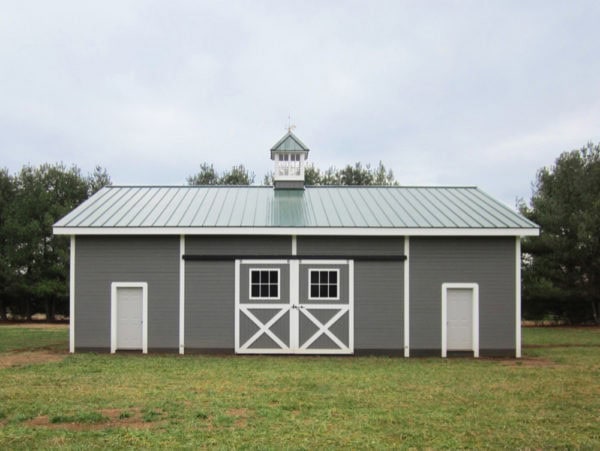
[
  {"x": 312, "y": 175},
  {"x": 36, "y": 261},
  {"x": 561, "y": 271},
  {"x": 7, "y": 193},
  {"x": 98, "y": 180},
  {"x": 206, "y": 176},
  {"x": 238, "y": 175}
]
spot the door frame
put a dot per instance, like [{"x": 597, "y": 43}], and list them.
[
  {"x": 113, "y": 313},
  {"x": 474, "y": 287}
]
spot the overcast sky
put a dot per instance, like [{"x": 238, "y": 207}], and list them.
[{"x": 444, "y": 93}]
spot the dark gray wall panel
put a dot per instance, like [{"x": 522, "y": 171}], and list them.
[
  {"x": 378, "y": 305},
  {"x": 99, "y": 261},
  {"x": 210, "y": 287},
  {"x": 490, "y": 262},
  {"x": 209, "y": 304},
  {"x": 238, "y": 245},
  {"x": 350, "y": 245}
]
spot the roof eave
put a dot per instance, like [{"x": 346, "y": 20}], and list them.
[{"x": 300, "y": 231}]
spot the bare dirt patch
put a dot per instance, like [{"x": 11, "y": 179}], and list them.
[
  {"x": 529, "y": 362},
  {"x": 129, "y": 418},
  {"x": 563, "y": 345},
  {"x": 241, "y": 417},
  {"x": 10, "y": 359}
]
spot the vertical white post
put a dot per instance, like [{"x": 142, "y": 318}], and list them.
[
  {"x": 444, "y": 320},
  {"x": 351, "y": 305},
  {"x": 236, "y": 326},
  {"x": 294, "y": 268},
  {"x": 144, "y": 318},
  {"x": 181, "y": 294},
  {"x": 407, "y": 297},
  {"x": 518, "y": 297},
  {"x": 475, "y": 325},
  {"x": 294, "y": 245},
  {"x": 72, "y": 296}
]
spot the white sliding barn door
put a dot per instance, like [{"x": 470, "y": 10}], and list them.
[{"x": 307, "y": 311}]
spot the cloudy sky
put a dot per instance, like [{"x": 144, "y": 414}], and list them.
[{"x": 443, "y": 92}]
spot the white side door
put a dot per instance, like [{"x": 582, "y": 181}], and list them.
[
  {"x": 129, "y": 317},
  {"x": 460, "y": 318}
]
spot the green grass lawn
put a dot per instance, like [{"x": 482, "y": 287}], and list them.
[
  {"x": 551, "y": 398},
  {"x": 22, "y": 338}
]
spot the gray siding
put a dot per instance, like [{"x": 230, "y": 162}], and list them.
[
  {"x": 99, "y": 261},
  {"x": 238, "y": 245},
  {"x": 350, "y": 245},
  {"x": 489, "y": 262},
  {"x": 210, "y": 287},
  {"x": 378, "y": 287},
  {"x": 379, "y": 305}
]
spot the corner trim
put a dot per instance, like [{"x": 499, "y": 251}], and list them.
[
  {"x": 181, "y": 294},
  {"x": 518, "y": 298},
  {"x": 72, "y": 296},
  {"x": 407, "y": 297}
]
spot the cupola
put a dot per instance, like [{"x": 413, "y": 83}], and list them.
[{"x": 289, "y": 155}]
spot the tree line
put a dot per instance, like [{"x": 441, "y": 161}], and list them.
[
  {"x": 357, "y": 174},
  {"x": 33, "y": 262},
  {"x": 561, "y": 267}
]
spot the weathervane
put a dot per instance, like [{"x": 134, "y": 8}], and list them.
[{"x": 290, "y": 126}]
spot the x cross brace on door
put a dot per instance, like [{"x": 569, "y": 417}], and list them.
[
  {"x": 323, "y": 328},
  {"x": 264, "y": 328}
]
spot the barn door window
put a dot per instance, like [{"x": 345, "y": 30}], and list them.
[
  {"x": 323, "y": 284},
  {"x": 264, "y": 284}
]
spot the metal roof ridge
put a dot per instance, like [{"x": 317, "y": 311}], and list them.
[
  {"x": 396, "y": 186},
  {"x": 307, "y": 186},
  {"x": 188, "y": 186}
]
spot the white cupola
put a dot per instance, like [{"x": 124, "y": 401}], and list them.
[{"x": 289, "y": 155}]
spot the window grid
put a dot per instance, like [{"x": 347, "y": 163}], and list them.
[
  {"x": 323, "y": 284},
  {"x": 264, "y": 284}
]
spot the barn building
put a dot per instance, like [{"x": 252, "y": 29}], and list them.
[{"x": 294, "y": 269}]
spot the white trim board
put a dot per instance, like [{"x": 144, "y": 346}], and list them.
[
  {"x": 72, "y": 296},
  {"x": 518, "y": 298},
  {"x": 181, "y": 294},
  {"x": 298, "y": 231},
  {"x": 113, "y": 313},
  {"x": 475, "y": 324},
  {"x": 407, "y": 297}
]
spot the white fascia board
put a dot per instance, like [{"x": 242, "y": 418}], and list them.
[{"x": 300, "y": 231}]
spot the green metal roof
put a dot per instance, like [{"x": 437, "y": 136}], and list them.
[
  {"x": 350, "y": 208},
  {"x": 289, "y": 143}
]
